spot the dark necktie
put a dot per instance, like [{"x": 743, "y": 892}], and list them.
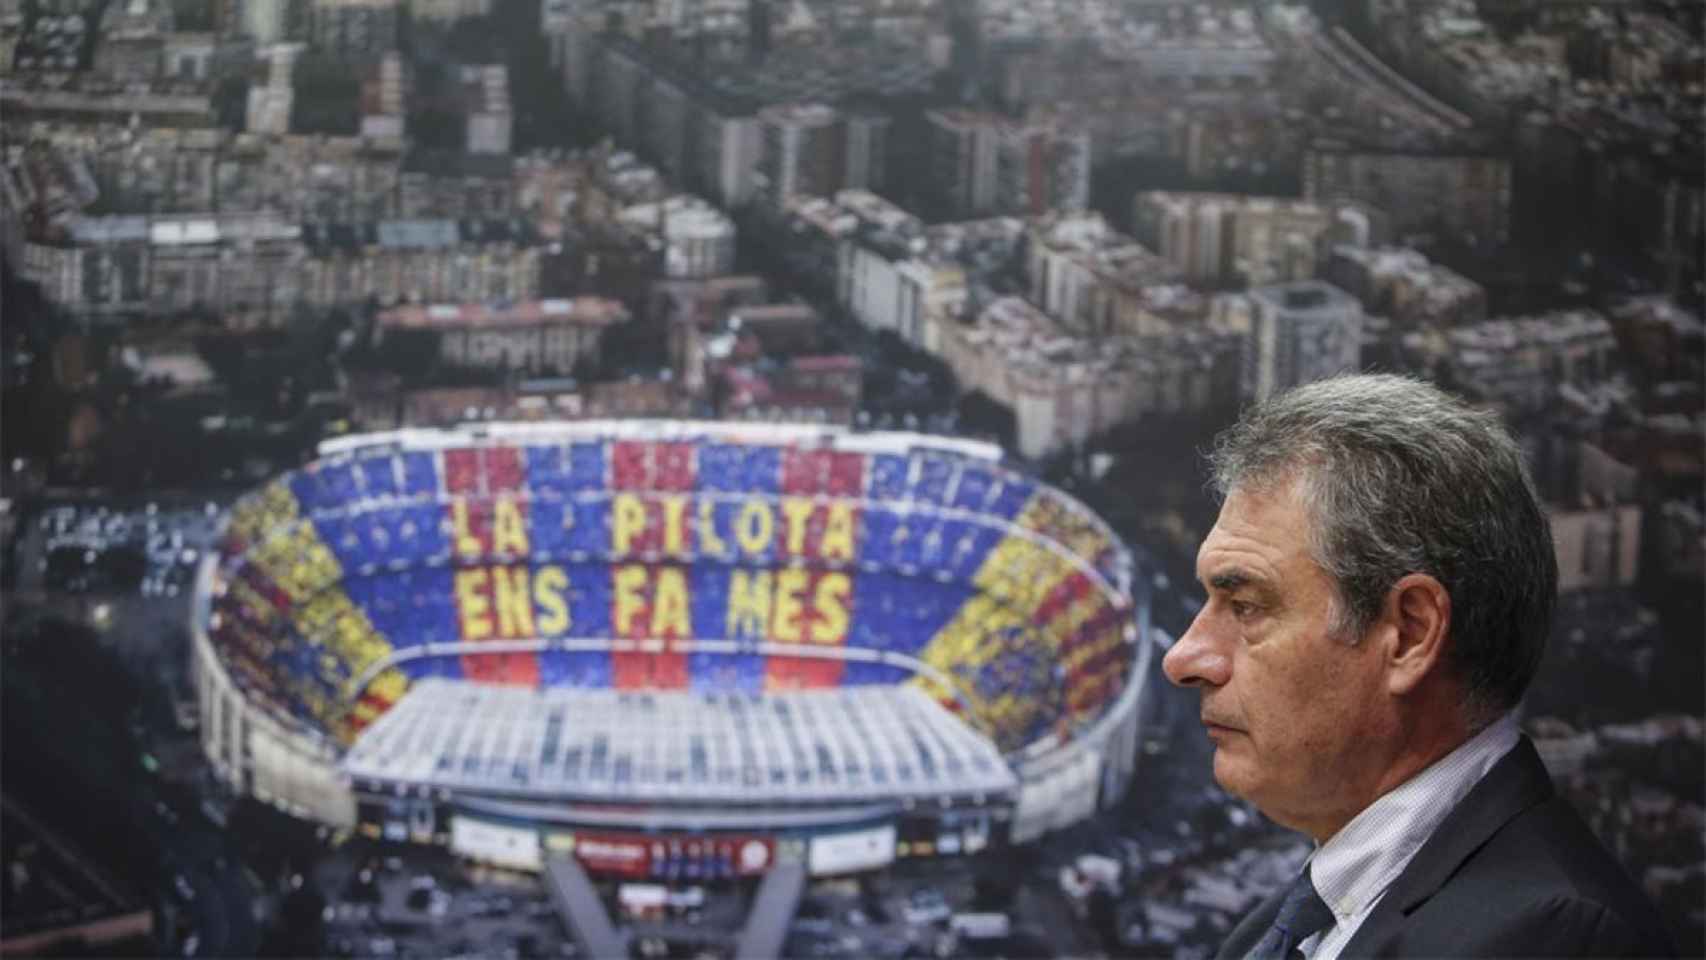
[{"x": 1301, "y": 914}]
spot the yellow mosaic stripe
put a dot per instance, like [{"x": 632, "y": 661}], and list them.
[
  {"x": 1054, "y": 519},
  {"x": 1051, "y": 517},
  {"x": 1015, "y": 578},
  {"x": 387, "y": 688},
  {"x": 255, "y": 517},
  {"x": 285, "y": 547},
  {"x": 1089, "y": 692}
]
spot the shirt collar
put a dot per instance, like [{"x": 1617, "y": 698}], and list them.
[{"x": 1356, "y": 865}]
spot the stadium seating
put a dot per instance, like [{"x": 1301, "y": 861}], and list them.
[{"x": 352, "y": 566}]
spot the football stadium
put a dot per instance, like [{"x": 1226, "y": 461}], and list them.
[{"x": 671, "y": 649}]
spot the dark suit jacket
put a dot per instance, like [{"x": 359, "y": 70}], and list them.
[{"x": 1512, "y": 872}]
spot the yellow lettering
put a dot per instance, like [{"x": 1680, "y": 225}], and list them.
[
  {"x": 754, "y": 527},
  {"x": 838, "y": 534},
  {"x": 830, "y": 599},
  {"x": 548, "y": 586},
  {"x": 509, "y": 530},
  {"x": 471, "y": 602},
  {"x": 627, "y": 521},
  {"x": 630, "y": 596},
  {"x": 797, "y": 510},
  {"x": 467, "y": 544},
  {"x": 749, "y": 603},
  {"x": 790, "y": 583},
  {"x": 675, "y": 525},
  {"x": 709, "y": 542},
  {"x": 669, "y": 604},
  {"x": 515, "y": 607}
]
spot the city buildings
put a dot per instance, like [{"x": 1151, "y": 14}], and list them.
[
  {"x": 271, "y": 99},
  {"x": 803, "y": 150},
  {"x": 729, "y": 139},
  {"x": 806, "y": 118},
  {"x": 698, "y": 240},
  {"x": 533, "y": 337},
  {"x": 490, "y": 122},
  {"x": 250, "y": 270},
  {"x": 1630, "y": 162},
  {"x": 353, "y": 29},
  {"x": 48, "y": 185},
  {"x": 1300, "y": 332},
  {"x": 1401, "y": 284},
  {"x": 450, "y": 183},
  {"x": 1064, "y": 389},
  {"x": 1661, "y": 341},
  {"x": 1221, "y": 239},
  {"x": 1206, "y": 47},
  {"x": 384, "y": 101},
  {"x": 772, "y": 362},
  {"x": 1101, "y": 50},
  {"x": 1462, "y": 58},
  {"x": 694, "y": 310},
  {"x": 1591, "y": 501},
  {"x": 385, "y": 402},
  {"x": 597, "y": 256},
  {"x": 89, "y": 99},
  {"x": 983, "y": 163},
  {"x": 117, "y": 270},
  {"x": 1088, "y": 276},
  {"x": 266, "y": 22},
  {"x": 885, "y": 274},
  {"x": 444, "y": 12},
  {"x": 1467, "y": 196},
  {"x": 1362, "y": 88},
  {"x": 420, "y": 261},
  {"x": 1518, "y": 363}
]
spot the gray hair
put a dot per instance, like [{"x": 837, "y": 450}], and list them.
[{"x": 1399, "y": 478}]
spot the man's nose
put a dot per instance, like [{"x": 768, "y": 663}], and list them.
[{"x": 1198, "y": 658}]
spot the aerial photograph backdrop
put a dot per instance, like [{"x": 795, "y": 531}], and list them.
[{"x": 720, "y": 478}]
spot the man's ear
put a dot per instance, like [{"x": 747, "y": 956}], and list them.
[{"x": 1418, "y": 612}]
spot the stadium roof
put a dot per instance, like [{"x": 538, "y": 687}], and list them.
[{"x": 835, "y": 746}]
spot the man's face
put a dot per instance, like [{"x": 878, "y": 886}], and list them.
[{"x": 1290, "y": 707}]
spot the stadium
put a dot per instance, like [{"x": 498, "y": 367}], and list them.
[{"x": 671, "y": 649}]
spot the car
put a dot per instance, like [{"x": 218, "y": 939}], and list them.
[
  {"x": 925, "y": 907},
  {"x": 817, "y": 926}
]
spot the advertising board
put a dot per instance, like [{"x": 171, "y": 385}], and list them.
[
  {"x": 852, "y": 851},
  {"x": 497, "y": 844},
  {"x": 690, "y": 856}
]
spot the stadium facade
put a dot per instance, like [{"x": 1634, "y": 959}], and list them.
[{"x": 674, "y": 649}]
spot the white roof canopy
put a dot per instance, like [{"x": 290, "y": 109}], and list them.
[{"x": 841, "y": 745}]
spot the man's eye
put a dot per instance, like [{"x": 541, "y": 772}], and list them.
[{"x": 1242, "y": 609}]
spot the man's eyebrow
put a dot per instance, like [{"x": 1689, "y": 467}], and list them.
[{"x": 1233, "y": 579}]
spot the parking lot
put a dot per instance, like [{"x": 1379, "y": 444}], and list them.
[{"x": 151, "y": 548}]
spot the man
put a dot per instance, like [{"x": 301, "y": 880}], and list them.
[{"x": 1380, "y": 586}]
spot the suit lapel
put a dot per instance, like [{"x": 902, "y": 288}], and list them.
[
  {"x": 1249, "y": 931},
  {"x": 1517, "y": 782}
]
